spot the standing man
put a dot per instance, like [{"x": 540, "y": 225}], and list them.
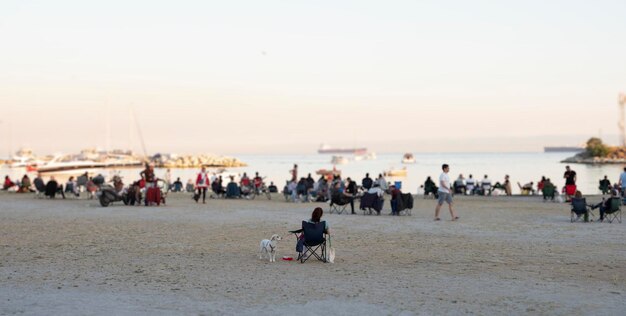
[
  {"x": 570, "y": 183},
  {"x": 294, "y": 173},
  {"x": 445, "y": 193},
  {"x": 622, "y": 181},
  {"x": 367, "y": 182}
]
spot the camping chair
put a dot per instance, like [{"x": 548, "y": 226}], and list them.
[
  {"x": 338, "y": 203},
  {"x": 72, "y": 190},
  {"x": 41, "y": 189},
  {"x": 311, "y": 241},
  {"x": 615, "y": 211},
  {"x": 405, "y": 204},
  {"x": 549, "y": 192},
  {"x": 428, "y": 189},
  {"x": 371, "y": 201},
  {"x": 579, "y": 210}
]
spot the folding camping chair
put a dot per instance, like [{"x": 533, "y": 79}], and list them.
[
  {"x": 371, "y": 201},
  {"x": 40, "y": 187},
  {"x": 338, "y": 203},
  {"x": 405, "y": 204},
  {"x": 579, "y": 210},
  {"x": 615, "y": 211},
  {"x": 549, "y": 192},
  {"x": 311, "y": 241}
]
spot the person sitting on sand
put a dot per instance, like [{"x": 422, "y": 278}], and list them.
[
  {"x": 232, "y": 189},
  {"x": 459, "y": 185},
  {"x": 25, "y": 185},
  {"x": 526, "y": 189},
  {"x": 485, "y": 186},
  {"x": 506, "y": 186},
  {"x": 272, "y": 187},
  {"x": 316, "y": 217},
  {"x": 430, "y": 187},
  {"x": 53, "y": 187},
  {"x": 7, "y": 183},
  {"x": 540, "y": 184},
  {"x": 177, "y": 186},
  {"x": 216, "y": 187},
  {"x": 190, "y": 187},
  {"x": 549, "y": 190},
  {"x": 579, "y": 206},
  {"x": 71, "y": 187},
  {"x": 470, "y": 185}
]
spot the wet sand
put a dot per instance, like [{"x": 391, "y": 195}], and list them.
[{"x": 506, "y": 255}]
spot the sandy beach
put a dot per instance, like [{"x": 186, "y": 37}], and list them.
[{"x": 506, "y": 255}]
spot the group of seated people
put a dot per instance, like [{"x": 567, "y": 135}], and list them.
[
  {"x": 606, "y": 206},
  {"x": 244, "y": 188},
  {"x": 52, "y": 187},
  {"x": 468, "y": 186},
  {"x": 309, "y": 190}
]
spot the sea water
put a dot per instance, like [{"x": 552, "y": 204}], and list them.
[{"x": 521, "y": 167}]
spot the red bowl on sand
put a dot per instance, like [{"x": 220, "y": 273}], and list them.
[{"x": 287, "y": 258}]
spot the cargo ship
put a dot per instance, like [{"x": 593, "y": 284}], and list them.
[
  {"x": 325, "y": 149},
  {"x": 563, "y": 149}
]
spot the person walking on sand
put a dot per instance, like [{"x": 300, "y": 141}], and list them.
[
  {"x": 202, "y": 183},
  {"x": 445, "y": 193}
]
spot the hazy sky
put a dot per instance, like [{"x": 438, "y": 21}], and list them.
[{"x": 285, "y": 76}]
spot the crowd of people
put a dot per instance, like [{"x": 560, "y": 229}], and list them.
[{"x": 329, "y": 187}]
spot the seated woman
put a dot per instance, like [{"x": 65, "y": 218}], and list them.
[
  {"x": 316, "y": 217},
  {"x": 579, "y": 205},
  {"x": 71, "y": 187},
  {"x": 25, "y": 185}
]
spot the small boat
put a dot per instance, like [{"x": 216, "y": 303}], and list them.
[
  {"x": 408, "y": 158},
  {"x": 395, "y": 172},
  {"x": 328, "y": 174},
  {"x": 339, "y": 160},
  {"x": 370, "y": 156}
]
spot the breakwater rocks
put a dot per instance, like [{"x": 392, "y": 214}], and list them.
[
  {"x": 615, "y": 156},
  {"x": 197, "y": 161}
]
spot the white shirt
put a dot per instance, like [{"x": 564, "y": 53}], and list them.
[
  {"x": 376, "y": 190},
  {"x": 444, "y": 183}
]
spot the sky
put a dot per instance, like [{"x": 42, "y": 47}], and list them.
[{"x": 274, "y": 76}]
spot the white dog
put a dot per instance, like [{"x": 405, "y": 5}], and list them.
[{"x": 268, "y": 246}]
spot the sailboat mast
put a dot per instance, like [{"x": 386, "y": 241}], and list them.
[
  {"x": 143, "y": 145},
  {"x": 108, "y": 126}
]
